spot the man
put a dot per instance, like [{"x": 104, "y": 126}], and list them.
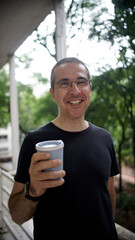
[{"x": 84, "y": 191}]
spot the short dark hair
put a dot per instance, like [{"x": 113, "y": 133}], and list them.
[{"x": 68, "y": 60}]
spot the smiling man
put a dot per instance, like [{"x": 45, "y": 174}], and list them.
[
  {"x": 71, "y": 90},
  {"x": 78, "y": 201}
]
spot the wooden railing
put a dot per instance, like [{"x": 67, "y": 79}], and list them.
[{"x": 24, "y": 231}]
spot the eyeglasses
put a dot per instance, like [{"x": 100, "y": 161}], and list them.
[{"x": 66, "y": 84}]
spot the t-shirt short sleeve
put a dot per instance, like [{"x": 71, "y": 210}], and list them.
[{"x": 26, "y": 152}]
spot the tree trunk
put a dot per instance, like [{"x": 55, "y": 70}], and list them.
[
  {"x": 120, "y": 166},
  {"x": 120, "y": 155}
]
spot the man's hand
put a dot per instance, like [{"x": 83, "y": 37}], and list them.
[{"x": 40, "y": 179}]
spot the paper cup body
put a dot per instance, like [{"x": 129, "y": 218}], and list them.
[{"x": 55, "y": 148}]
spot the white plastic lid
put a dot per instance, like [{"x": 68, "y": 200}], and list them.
[{"x": 49, "y": 145}]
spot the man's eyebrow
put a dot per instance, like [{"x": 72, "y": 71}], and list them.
[
  {"x": 81, "y": 77},
  {"x": 62, "y": 79}
]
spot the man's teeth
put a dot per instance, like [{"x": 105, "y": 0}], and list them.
[{"x": 75, "y": 102}]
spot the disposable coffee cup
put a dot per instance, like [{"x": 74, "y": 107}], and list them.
[{"x": 55, "y": 148}]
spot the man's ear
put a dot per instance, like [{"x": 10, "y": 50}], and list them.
[{"x": 52, "y": 94}]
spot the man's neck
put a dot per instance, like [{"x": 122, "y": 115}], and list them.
[{"x": 71, "y": 125}]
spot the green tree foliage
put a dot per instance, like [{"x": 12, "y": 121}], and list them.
[
  {"x": 40, "y": 78},
  {"x": 46, "y": 109},
  {"x": 4, "y": 98},
  {"x": 113, "y": 107},
  {"x": 118, "y": 27},
  {"x": 27, "y": 106},
  {"x": 25, "y": 60},
  {"x": 28, "y": 103},
  {"x": 124, "y": 204},
  {"x": 124, "y": 21},
  {"x": 34, "y": 112}
]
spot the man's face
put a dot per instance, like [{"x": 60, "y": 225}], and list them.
[{"x": 73, "y": 100}]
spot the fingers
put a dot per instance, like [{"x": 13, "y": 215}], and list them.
[
  {"x": 45, "y": 176},
  {"x": 47, "y": 164},
  {"x": 39, "y": 156},
  {"x": 54, "y": 183}
]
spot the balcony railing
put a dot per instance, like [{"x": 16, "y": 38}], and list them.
[{"x": 25, "y": 231}]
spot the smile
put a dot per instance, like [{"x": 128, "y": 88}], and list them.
[{"x": 75, "y": 101}]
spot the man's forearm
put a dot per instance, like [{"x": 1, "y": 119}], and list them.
[
  {"x": 21, "y": 209},
  {"x": 111, "y": 190}
]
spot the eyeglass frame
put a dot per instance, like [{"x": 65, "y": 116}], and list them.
[{"x": 71, "y": 82}]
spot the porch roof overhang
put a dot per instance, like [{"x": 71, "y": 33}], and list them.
[{"x": 18, "y": 19}]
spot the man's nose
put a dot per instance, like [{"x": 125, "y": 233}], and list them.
[{"x": 74, "y": 88}]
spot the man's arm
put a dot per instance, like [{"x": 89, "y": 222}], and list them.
[
  {"x": 111, "y": 190},
  {"x": 23, "y": 209}
]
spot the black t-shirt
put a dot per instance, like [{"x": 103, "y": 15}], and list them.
[{"x": 89, "y": 161}]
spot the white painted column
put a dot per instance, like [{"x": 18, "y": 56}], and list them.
[
  {"x": 60, "y": 18},
  {"x": 14, "y": 112}
]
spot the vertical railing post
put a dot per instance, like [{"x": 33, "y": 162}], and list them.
[
  {"x": 60, "y": 17},
  {"x": 14, "y": 112}
]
